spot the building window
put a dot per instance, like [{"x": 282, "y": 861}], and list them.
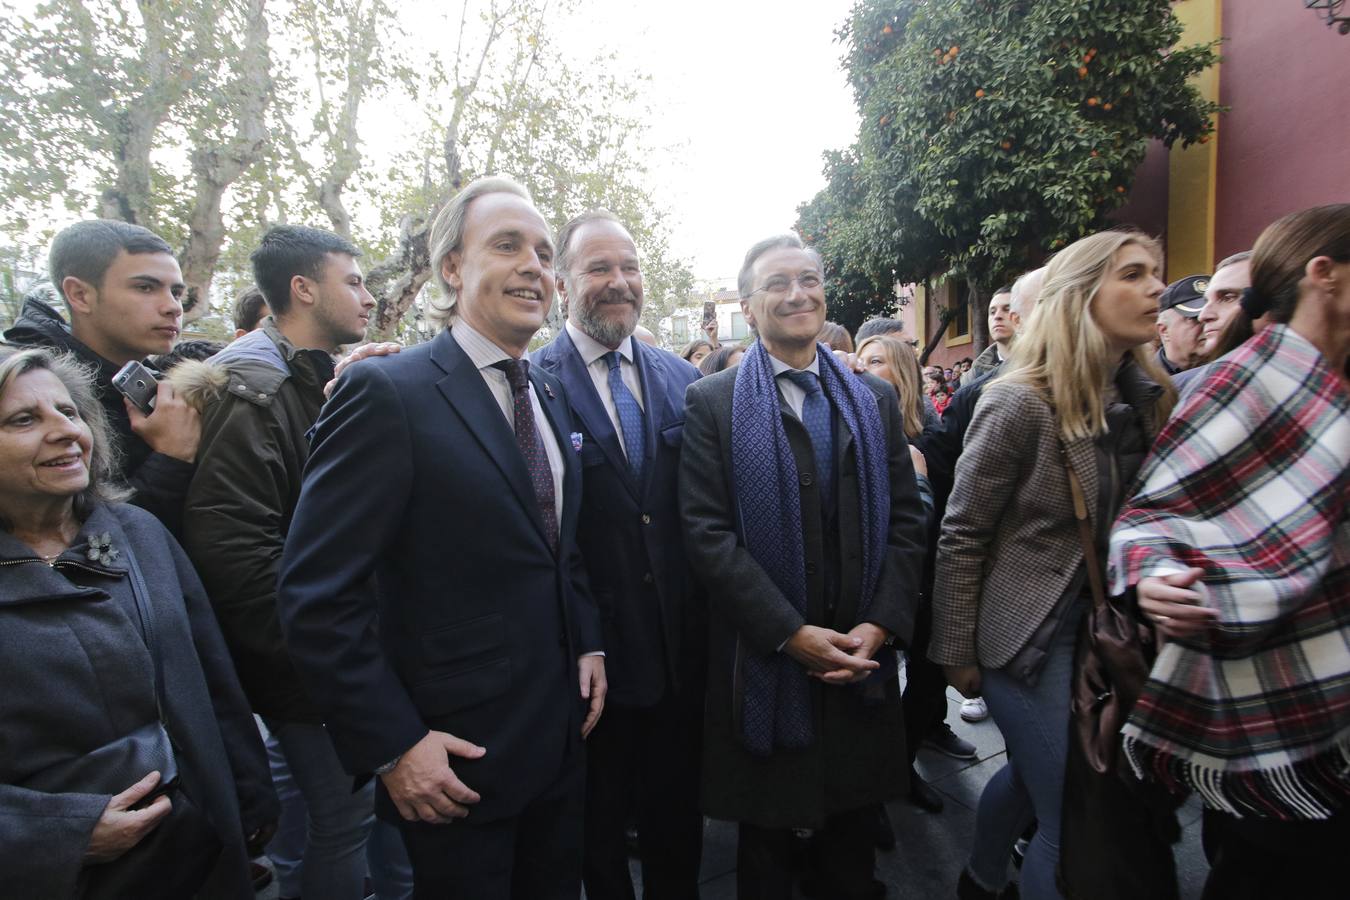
[
  {"x": 958, "y": 300},
  {"x": 739, "y": 330},
  {"x": 679, "y": 328}
]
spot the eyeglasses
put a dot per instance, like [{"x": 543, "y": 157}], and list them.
[{"x": 781, "y": 284}]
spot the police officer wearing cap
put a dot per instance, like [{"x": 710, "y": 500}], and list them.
[{"x": 1178, "y": 328}]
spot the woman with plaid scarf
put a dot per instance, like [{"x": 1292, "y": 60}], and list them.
[{"x": 1238, "y": 545}]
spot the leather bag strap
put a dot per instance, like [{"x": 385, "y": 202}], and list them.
[
  {"x": 1080, "y": 512},
  {"x": 146, "y": 612}
]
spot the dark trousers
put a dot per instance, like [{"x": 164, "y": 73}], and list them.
[
  {"x": 1266, "y": 859},
  {"x": 843, "y": 857},
  {"x": 535, "y": 855},
  {"x": 925, "y": 699},
  {"x": 647, "y": 761}
]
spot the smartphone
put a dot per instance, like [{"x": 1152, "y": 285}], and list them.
[
  {"x": 135, "y": 382},
  {"x": 709, "y": 312}
]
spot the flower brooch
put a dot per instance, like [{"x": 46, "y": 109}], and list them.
[{"x": 101, "y": 549}]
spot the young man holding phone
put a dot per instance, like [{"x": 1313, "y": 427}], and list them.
[{"x": 123, "y": 291}]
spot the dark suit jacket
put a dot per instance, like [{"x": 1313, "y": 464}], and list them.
[
  {"x": 630, "y": 533},
  {"x": 417, "y": 515},
  {"x": 858, "y": 756},
  {"x": 942, "y": 446}
]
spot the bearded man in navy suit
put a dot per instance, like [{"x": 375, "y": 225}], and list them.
[
  {"x": 431, "y": 589},
  {"x": 628, "y": 399}
]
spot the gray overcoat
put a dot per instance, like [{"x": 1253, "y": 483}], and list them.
[
  {"x": 858, "y": 756},
  {"x": 76, "y": 675}
]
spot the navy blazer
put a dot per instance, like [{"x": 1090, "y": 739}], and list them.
[
  {"x": 417, "y": 589},
  {"x": 630, "y": 533}
]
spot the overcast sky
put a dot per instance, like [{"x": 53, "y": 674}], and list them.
[{"x": 750, "y": 95}]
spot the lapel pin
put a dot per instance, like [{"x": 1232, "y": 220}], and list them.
[
  {"x": 576, "y": 441},
  {"x": 548, "y": 390}
]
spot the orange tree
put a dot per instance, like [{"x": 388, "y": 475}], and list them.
[{"x": 993, "y": 131}]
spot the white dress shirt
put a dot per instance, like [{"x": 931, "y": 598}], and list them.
[
  {"x": 483, "y": 353},
  {"x": 788, "y": 389},
  {"x": 593, "y": 355}
]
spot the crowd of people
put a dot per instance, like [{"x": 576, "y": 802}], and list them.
[{"x": 465, "y": 620}]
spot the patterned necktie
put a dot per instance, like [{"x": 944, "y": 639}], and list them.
[
  {"x": 531, "y": 444},
  {"x": 630, "y": 416},
  {"x": 820, "y": 426}
]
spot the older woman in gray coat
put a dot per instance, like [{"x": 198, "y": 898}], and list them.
[{"x": 81, "y": 655}]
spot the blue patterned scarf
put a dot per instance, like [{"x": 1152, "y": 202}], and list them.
[{"x": 776, "y": 707}]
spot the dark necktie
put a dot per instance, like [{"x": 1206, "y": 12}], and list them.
[
  {"x": 630, "y": 416},
  {"x": 531, "y": 444},
  {"x": 820, "y": 426}
]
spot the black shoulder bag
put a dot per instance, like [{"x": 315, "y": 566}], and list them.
[{"x": 173, "y": 860}]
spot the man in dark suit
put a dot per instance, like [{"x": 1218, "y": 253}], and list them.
[
  {"x": 628, "y": 399},
  {"x": 431, "y": 589},
  {"x": 804, "y": 522}
]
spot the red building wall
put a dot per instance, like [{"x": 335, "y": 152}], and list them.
[{"x": 1285, "y": 143}]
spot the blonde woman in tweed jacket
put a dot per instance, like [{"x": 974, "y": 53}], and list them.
[{"x": 1011, "y": 585}]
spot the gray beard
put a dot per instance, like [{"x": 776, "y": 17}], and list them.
[{"x": 609, "y": 332}]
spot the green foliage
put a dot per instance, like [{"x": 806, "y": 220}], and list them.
[
  {"x": 106, "y": 104},
  {"x": 78, "y": 83},
  {"x": 996, "y": 130}
]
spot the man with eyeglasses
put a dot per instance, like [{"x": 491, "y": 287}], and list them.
[{"x": 802, "y": 518}]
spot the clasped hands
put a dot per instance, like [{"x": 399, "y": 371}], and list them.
[{"x": 837, "y": 658}]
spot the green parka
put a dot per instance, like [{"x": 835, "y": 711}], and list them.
[{"x": 258, "y": 398}]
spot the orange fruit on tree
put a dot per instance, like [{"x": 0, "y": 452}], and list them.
[
  {"x": 1092, "y": 101},
  {"x": 979, "y": 93},
  {"x": 1120, "y": 189},
  {"x": 1082, "y": 71},
  {"x": 887, "y": 30},
  {"x": 1006, "y": 145},
  {"x": 1107, "y": 107}
]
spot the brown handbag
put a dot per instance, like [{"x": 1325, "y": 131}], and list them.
[
  {"x": 1114, "y": 656},
  {"x": 1117, "y": 832}
]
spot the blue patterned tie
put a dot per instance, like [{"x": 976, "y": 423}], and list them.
[
  {"x": 820, "y": 426},
  {"x": 630, "y": 416}
]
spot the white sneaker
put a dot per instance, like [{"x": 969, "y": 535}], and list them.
[{"x": 974, "y": 710}]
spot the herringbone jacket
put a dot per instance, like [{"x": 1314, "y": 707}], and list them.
[{"x": 1009, "y": 544}]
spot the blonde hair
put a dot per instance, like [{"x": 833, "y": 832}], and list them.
[
  {"x": 447, "y": 236},
  {"x": 1062, "y": 352},
  {"x": 902, "y": 371}
]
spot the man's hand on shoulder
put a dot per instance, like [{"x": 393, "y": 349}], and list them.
[
  {"x": 174, "y": 428},
  {"x": 850, "y": 361},
  {"x": 424, "y": 786},
  {"x": 365, "y": 351}
]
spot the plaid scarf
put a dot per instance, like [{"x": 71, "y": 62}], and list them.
[
  {"x": 776, "y": 704},
  {"x": 1249, "y": 481}
]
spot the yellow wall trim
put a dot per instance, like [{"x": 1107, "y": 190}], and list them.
[{"x": 1193, "y": 172}]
